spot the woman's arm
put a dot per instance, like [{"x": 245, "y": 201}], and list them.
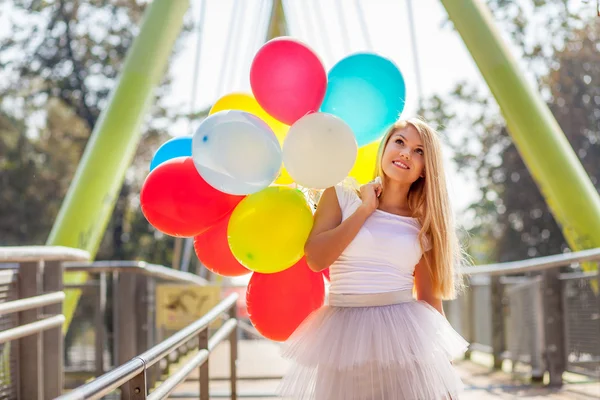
[
  {"x": 424, "y": 287},
  {"x": 329, "y": 235}
]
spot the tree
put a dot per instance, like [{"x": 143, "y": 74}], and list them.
[
  {"x": 60, "y": 63},
  {"x": 511, "y": 219}
]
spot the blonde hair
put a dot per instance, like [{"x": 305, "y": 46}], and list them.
[{"x": 429, "y": 203}]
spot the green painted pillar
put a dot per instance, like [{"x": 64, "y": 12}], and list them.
[
  {"x": 89, "y": 203},
  {"x": 570, "y": 194}
]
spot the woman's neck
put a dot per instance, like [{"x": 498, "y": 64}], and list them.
[{"x": 394, "y": 197}]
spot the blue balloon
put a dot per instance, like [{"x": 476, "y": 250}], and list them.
[
  {"x": 180, "y": 146},
  {"x": 368, "y": 92}
]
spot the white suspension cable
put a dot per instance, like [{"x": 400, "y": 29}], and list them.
[
  {"x": 321, "y": 23},
  {"x": 291, "y": 11},
  {"x": 254, "y": 45},
  {"x": 363, "y": 25},
  {"x": 343, "y": 27},
  {"x": 310, "y": 28},
  {"x": 236, "y": 63},
  {"x": 413, "y": 40},
  {"x": 233, "y": 25},
  {"x": 196, "y": 73}
]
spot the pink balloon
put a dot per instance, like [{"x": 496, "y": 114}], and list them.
[{"x": 288, "y": 79}]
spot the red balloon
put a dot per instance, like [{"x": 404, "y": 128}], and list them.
[
  {"x": 326, "y": 274},
  {"x": 288, "y": 79},
  {"x": 213, "y": 250},
  {"x": 177, "y": 201},
  {"x": 278, "y": 303}
]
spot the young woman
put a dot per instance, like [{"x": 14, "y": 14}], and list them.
[{"x": 392, "y": 250}]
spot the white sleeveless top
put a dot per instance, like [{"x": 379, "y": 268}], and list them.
[{"x": 382, "y": 256}]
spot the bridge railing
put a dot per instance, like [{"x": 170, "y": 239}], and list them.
[
  {"x": 31, "y": 319},
  {"x": 131, "y": 377},
  {"x": 116, "y": 318},
  {"x": 543, "y": 313}
]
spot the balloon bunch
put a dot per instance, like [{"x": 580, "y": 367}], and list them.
[{"x": 233, "y": 184}]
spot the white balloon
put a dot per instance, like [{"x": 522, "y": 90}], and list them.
[
  {"x": 236, "y": 152},
  {"x": 319, "y": 150}
]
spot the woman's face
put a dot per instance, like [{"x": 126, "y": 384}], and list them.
[{"x": 403, "y": 158}]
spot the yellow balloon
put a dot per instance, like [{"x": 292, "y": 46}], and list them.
[
  {"x": 364, "y": 167},
  {"x": 246, "y": 102},
  {"x": 284, "y": 177},
  {"x": 268, "y": 229}
]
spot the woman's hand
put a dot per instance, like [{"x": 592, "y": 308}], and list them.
[{"x": 369, "y": 194}]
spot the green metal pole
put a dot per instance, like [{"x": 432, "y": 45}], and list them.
[
  {"x": 86, "y": 210},
  {"x": 277, "y": 23},
  {"x": 570, "y": 194}
]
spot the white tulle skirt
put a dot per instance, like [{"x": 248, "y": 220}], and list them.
[{"x": 383, "y": 346}]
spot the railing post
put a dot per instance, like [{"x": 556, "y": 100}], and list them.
[
  {"x": 124, "y": 307},
  {"x": 204, "y": 374},
  {"x": 100, "y": 311},
  {"x": 31, "y": 372},
  {"x": 554, "y": 329},
  {"x": 148, "y": 312},
  {"x": 135, "y": 389},
  {"x": 538, "y": 366},
  {"x": 470, "y": 326},
  {"x": 498, "y": 333},
  {"x": 233, "y": 350},
  {"x": 53, "y": 342}
]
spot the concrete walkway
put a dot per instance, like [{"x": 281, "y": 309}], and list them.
[{"x": 260, "y": 359}]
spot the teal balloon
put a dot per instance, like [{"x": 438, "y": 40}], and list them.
[
  {"x": 368, "y": 92},
  {"x": 180, "y": 146}
]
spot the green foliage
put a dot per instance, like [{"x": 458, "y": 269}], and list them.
[{"x": 511, "y": 219}]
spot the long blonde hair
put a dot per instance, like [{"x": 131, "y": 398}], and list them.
[{"x": 429, "y": 203}]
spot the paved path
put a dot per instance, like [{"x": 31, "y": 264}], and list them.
[{"x": 260, "y": 359}]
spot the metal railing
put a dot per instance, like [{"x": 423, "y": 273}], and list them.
[
  {"x": 130, "y": 377},
  {"x": 117, "y": 312},
  {"x": 31, "y": 342},
  {"x": 533, "y": 314}
]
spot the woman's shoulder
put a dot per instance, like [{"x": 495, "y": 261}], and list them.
[{"x": 347, "y": 192}]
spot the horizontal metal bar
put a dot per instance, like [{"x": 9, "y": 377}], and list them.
[
  {"x": 115, "y": 378},
  {"x": 104, "y": 384},
  {"x": 154, "y": 270},
  {"x": 579, "y": 275},
  {"x": 157, "y": 352},
  {"x": 482, "y": 348},
  {"x": 240, "y": 378},
  {"x": 84, "y": 286},
  {"x": 31, "y": 302},
  {"x": 37, "y": 253},
  {"x": 222, "y": 333},
  {"x": 535, "y": 264},
  {"x": 32, "y": 328},
  {"x": 179, "y": 376},
  {"x": 172, "y": 381}
]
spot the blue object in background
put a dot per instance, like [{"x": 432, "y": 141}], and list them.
[
  {"x": 368, "y": 92},
  {"x": 180, "y": 146}
]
